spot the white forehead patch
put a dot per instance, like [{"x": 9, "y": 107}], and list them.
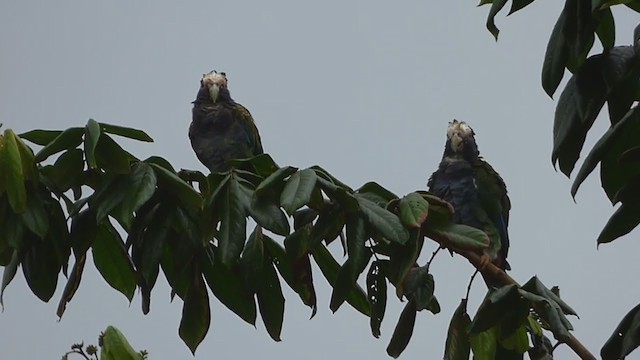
[
  {"x": 459, "y": 127},
  {"x": 212, "y": 78}
]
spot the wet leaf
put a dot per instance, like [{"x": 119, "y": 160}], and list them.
[{"x": 112, "y": 261}]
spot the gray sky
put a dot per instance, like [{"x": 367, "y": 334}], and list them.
[{"x": 362, "y": 88}]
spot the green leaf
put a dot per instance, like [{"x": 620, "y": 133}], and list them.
[
  {"x": 268, "y": 214},
  {"x": 274, "y": 180},
  {"x": 40, "y": 137},
  {"x": 40, "y": 268},
  {"x": 233, "y": 222},
  {"x": 298, "y": 190},
  {"x": 271, "y": 300},
  {"x": 329, "y": 268},
  {"x": 72, "y": 284},
  {"x": 403, "y": 331},
  {"x": 83, "y": 231},
  {"x": 604, "y": 145},
  {"x": 8, "y": 274},
  {"x": 377, "y": 296},
  {"x": 251, "y": 260},
  {"x": 111, "y": 157},
  {"x": 224, "y": 283},
  {"x": 196, "y": 315},
  {"x": 11, "y": 172},
  {"x": 496, "y": 6},
  {"x": 484, "y": 344},
  {"x": 91, "y": 136},
  {"x": 460, "y": 236},
  {"x": 140, "y": 186},
  {"x": 67, "y": 140},
  {"x": 413, "y": 210},
  {"x": 606, "y": 29},
  {"x": 623, "y": 220},
  {"x": 614, "y": 175},
  {"x": 457, "y": 346},
  {"x": 517, "y": 342},
  {"x": 116, "y": 347},
  {"x": 35, "y": 218},
  {"x": 126, "y": 132},
  {"x": 297, "y": 274},
  {"x": 517, "y": 5},
  {"x": 331, "y": 220},
  {"x": 358, "y": 259},
  {"x": 499, "y": 305},
  {"x": 625, "y": 338},
  {"x": 383, "y": 221},
  {"x": 381, "y": 196},
  {"x": 66, "y": 172},
  {"x": 170, "y": 182},
  {"x": 556, "y": 57},
  {"x": 112, "y": 261}
]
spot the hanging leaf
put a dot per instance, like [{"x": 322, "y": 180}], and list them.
[
  {"x": 40, "y": 269},
  {"x": 11, "y": 171},
  {"x": 358, "y": 259},
  {"x": 233, "y": 222},
  {"x": 457, "y": 346},
  {"x": 329, "y": 268},
  {"x": 251, "y": 260},
  {"x": 377, "y": 296},
  {"x": 112, "y": 261},
  {"x": 196, "y": 315},
  {"x": 8, "y": 274},
  {"x": 224, "y": 283},
  {"x": 72, "y": 284},
  {"x": 403, "y": 331},
  {"x": 271, "y": 300},
  {"x": 625, "y": 338}
]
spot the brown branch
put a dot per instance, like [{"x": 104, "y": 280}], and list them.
[{"x": 491, "y": 271}]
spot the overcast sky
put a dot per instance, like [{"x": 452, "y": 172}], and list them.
[{"x": 364, "y": 89}]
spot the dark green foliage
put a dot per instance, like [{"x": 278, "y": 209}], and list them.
[{"x": 625, "y": 337}]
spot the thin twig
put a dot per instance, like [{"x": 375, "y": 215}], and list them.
[
  {"x": 466, "y": 297},
  {"x": 433, "y": 256}
]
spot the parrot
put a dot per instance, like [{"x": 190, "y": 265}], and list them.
[
  {"x": 221, "y": 129},
  {"x": 475, "y": 190}
]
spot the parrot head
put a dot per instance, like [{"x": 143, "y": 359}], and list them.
[
  {"x": 461, "y": 140},
  {"x": 211, "y": 85}
]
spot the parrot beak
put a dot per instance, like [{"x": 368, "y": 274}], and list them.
[
  {"x": 214, "y": 90},
  {"x": 456, "y": 142}
]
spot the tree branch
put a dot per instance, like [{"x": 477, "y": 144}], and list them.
[{"x": 501, "y": 277}]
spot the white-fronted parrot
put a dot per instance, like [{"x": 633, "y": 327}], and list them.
[
  {"x": 221, "y": 129},
  {"x": 476, "y": 191}
]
